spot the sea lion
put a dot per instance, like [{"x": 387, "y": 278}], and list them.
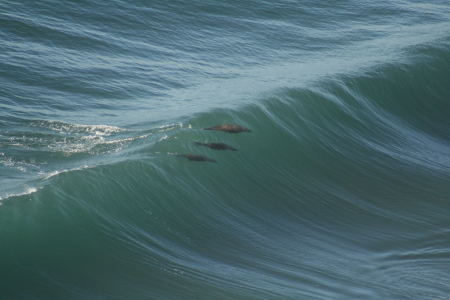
[
  {"x": 197, "y": 157},
  {"x": 216, "y": 146},
  {"x": 229, "y": 128}
]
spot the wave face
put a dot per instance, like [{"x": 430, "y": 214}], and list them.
[{"x": 341, "y": 190}]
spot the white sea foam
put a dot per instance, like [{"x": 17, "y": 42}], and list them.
[
  {"x": 54, "y": 173},
  {"x": 67, "y": 128},
  {"x": 57, "y": 172},
  {"x": 79, "y": 138},
  {"x": 27, "y": 191}
]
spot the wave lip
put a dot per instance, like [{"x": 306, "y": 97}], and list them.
[{"x": 27, "y": 191}]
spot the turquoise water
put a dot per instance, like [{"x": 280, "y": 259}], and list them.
[{"x": 341, "y": 190}]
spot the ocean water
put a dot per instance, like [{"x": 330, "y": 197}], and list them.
[{"x": 341, "y": 190}]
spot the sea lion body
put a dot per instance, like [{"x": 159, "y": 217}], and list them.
[
  {"x": 197, "y": 157},
  {"x": 229, "y": 128},
  {"x": 217, "y": 146}
]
